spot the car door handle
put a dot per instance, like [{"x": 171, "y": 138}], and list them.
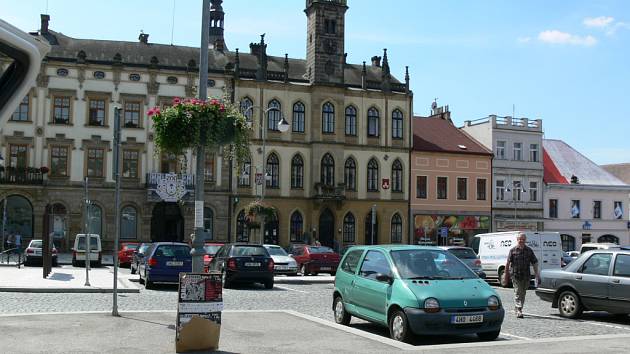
[
  {"x": 352, "y": 283},
  {"x": 578, "y": 277},
  {"x": 616, "y": 281}
]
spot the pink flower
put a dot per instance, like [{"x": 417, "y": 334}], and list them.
[
  {"x": 152, "y": 111},
  {"x": 221, "y": 107},
  {"x": 214, "y": 102},
  {"x": 176, "y": 101}
]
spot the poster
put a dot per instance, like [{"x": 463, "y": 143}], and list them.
[{"x": 200, "y": 295}]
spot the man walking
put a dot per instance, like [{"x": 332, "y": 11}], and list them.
[{"x": 517, "y": 267}]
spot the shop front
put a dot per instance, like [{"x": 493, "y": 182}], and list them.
[{"x": 449, "y": 230}]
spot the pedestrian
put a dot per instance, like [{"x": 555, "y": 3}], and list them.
[
  {"x": 517, "y": 267},
  {"x": 18, "y": 242}
]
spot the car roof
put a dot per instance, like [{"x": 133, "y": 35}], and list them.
[
  {"x": 612, "y": 250},
  {"x": 454, "y": 247},
  {"x": 601, "y": 244},
  {"x": 266, "y": 245},
  {"x": 394, "y": 247},
  {"x": 170, "y": 243}
]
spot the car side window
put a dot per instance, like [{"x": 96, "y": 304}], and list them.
[
  {"x": 622, "y": 266},
  {"x": 374, "y": 262},
  {"x": 351, "y": 261},
  {"x": 597, "y": 264}
]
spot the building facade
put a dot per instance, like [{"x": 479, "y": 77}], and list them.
[
  {"x": 517, "y": 170},
  {"x": 583, "y": 202},
  {"x": 341, "y": 116},
  {"x": 452, "y": 175}
]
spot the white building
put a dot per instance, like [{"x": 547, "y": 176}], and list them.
[
  {"x": 517, "y": 169},
  {"x": 583, "y": 202}
]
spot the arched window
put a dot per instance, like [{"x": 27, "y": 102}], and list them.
[
  {"x": 397, "y": 124},
  {"x": 349, "y": 228},
  {"x": 129, "y": 223},
  {"x": 242, "y": 233},
  {"x": 328, "y": 170},
  {"x": 273, "y": 171},
  {"x": 608, "y": 239},
  {"x": 18, "y": 217},
  {"x": 244, "y": 177},
  {"x": 397, "y": 228},
  {"x": 397, "y": 176},
  {"x": 568, "y": 243},
  {"x": 328, "y": 118},
  {"x": 372, "y": 176},
  {"x": 208, "y": 223},
  {"x": 297, "y": 172},
  {"x": 298, "y": 117},
  {"x": 373, "y": 122},
  {"x": 350, "y": 174},
  {"x": 95, "y": 220},
  {"x": 297, "y": 227},
  {"x": 273, "y": 115},
  {"x": 247, "y": 108},
  {"x": 351, "y": 121}
]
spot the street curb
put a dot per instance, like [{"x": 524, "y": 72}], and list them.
[
  {"x": 303, "y": 281},
  {"x": 68, "y": 290}
]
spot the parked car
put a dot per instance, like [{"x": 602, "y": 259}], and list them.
[
  {"x": 315, "y": 259},
  {"x": 79, "y": 250},
  {"x": 567, "y": 258},
  {"x": 596, "y": 281},
  {"x": 33, "y": 253},
  {"x": 163, "y": 262},
  {"x": 211, "y": 250},
  {"x": 415, "y": 290},
  {"x": 468, "y": 257},
  {"x": 283, "y": 263},
  {"x": 243, "y": 263},
  {"x": 138, "y": 255},
  {"x": 598, "y": 246},
  {"x": 125, "y": 254}
]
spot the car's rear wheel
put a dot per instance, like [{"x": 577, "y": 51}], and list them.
[
  {"x": 489, "y": 335},
  {"x": 140, "y": 280},
  {"x": 569, "y": 305},
  {"x": 503, "y": 280},
  {"x": 147, "y": 283},
  {"x": 341, "y": 316},
  {"x": 399, "y": 327},
  {"x": 269, "y": 284}
]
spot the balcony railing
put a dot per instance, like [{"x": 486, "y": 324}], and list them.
[
  {"x": 326, "y": 192},
  {"x": 169, "y": 187},
  {"x": 21, "y": 175}
]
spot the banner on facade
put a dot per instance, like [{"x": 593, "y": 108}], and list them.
[{"x": 170, "y": 187}]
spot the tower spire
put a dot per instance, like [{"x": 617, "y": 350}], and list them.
[{"x": 217, "y": 17}]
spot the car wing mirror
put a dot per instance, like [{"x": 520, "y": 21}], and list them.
[
  {"x": 384, "y": 278},
  {"x": 481, "y": 275}
]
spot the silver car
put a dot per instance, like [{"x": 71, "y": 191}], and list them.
[
  {"x": 283, "y": 263},
  {"x": 596, "y": 281},
  {"x": 468, "y": 257}
]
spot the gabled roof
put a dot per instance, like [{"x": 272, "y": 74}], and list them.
[
  {"x": 436, "y": 134},
  {"x": 561, "y": 162},
  {"x": 620, "y": 170}
]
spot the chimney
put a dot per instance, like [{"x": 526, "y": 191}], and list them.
[
  {"x": 376, "y": 61},
  {"x": 143, "y": 37},
  {"x": 44, "y": 27}
]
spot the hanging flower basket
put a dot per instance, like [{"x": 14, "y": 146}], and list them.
[
  {"x": 191, "y": 123},
  {"x": 258, "y": 208}
]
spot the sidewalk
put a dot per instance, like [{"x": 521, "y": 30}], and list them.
[{"x": 64, "y": 279}]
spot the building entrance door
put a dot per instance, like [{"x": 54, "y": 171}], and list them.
[
  {"x": 326, "y": 228},
  {"x": 167, "y": 223}
]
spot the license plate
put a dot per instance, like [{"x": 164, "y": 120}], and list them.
[
  {"x": 325, "y": 268},
  {"x": 252, "y": 264},
  {"x": 175, "y": 263},
  {"x": 467, "y": 319},
  {"x": 282, "y": 267}
]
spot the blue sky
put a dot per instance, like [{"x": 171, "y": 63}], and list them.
[{"x": 565, "y": 61}]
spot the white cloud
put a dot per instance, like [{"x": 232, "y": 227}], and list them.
[
  {"x": 558, "y": 37},
  {"x": 524, "y": 39},
  {"x": 601, "y": 21}
]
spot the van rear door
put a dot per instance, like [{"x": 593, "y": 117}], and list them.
[{"x": 551, "y": 249}]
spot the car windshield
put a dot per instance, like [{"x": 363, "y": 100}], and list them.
[
  {"x": 276, "y": 251},
  {"x": 243, "y": 251},
  {"x": 131, "y": 246},
  {"x": 93, "y": 243},
  {"x": 36, "y": 244},
  {"x": 211, "y": 249},
  {"x": 463, "y": 253},
  {"x": 320, "y": 249},
  {"x": 143, "y": 248},
  {"x": 588, "y": 248},
  {"x": 177, "y": 251},
  {"x": 430, "y": 264}
]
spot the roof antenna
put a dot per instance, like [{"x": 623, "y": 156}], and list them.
[
  {"x": 173, "y": 23},
  {"x": 46, "y": 7},
  {"x": 513, "y": 110}
]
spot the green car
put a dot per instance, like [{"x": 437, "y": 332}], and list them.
[{"x": 415, "y": 290}]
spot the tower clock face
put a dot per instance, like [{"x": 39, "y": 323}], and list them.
[{"x": 330, "y": 46}]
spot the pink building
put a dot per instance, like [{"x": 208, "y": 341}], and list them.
[{"x": 451, "y": 201}]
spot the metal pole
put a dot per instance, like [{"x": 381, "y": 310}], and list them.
[
  {"x": 263, "y": 135},
  {"x": 4, "y": 220},
  {"x": 87, "y": 235},
  {"x": 117, "y": 207},
  {"x": 198, "y": 251}
]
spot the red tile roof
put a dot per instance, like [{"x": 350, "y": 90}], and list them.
[
  {"x": 551, "y": 172},
  {"x": 440, "y": 135}
]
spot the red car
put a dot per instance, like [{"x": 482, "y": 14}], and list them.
[
  {"x": 211, "y": 250},
  {"x": 125, "y": 255},
  {"x": 315, "y": 259}
]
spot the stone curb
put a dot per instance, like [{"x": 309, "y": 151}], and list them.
[{"x": 67, "y": 290}]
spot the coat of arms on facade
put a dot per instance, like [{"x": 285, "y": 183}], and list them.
[{"x": 170, "y": 187}]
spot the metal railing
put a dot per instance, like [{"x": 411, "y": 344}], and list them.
[
  {"x": 12, "y": 255},
  {"x": 21, "y": 175}
]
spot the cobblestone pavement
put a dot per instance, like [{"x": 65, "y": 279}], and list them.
[{"x": 541, "y": 321}]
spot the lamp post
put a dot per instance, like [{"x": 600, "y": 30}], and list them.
[
  {"x": 87, "y": 235},
  {"x": 117, "y": 207},
  {"x": 515, "y": 200}
]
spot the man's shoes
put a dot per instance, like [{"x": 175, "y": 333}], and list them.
[{"x": 519, "y": 313}]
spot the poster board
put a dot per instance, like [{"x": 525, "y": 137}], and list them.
[{"x": 199, "y": 306}]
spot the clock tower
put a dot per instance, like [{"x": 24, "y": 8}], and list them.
[{"x": 325, "y": 41}]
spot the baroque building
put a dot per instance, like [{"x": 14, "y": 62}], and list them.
[{"x": 346, "y": 152}]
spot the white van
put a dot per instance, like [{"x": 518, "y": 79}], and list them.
[
  {"x": 79, "y": 250},
  {"x": 493, "y": 249}
]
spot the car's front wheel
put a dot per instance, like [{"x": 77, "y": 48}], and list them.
[
  {"x": 569, "y": 305},
  {"x": 489, "y": 335},
  {"x": 269, "y": 284},
  {"x": 341, "y": 316},
  {"x": 399, "y": 327}
]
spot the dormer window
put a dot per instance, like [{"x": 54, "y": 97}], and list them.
[{"x": 330, "y": 26}]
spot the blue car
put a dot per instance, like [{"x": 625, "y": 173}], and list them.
[{"x": 163, "y": 262}]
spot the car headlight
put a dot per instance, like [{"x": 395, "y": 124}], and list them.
[
  {"x": 292, "y": 264},
  {"x": 431, "y": 305},
  {"x": 493, "y": 303}
]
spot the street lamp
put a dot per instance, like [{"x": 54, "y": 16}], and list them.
[{"x": 516, "y": 187}]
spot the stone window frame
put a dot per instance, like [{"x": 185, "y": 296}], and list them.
[
  {"x": 296, "y": 227},
  {"x": 327, "y": 170},
  {"x": 138, "y": 162},
  {"x": 87, "y": 162},
  {"x": 350, "y": 165},
  {"x": 485, "y": 189},
  {"x": 419, "y": 188},
  {"x": 131, "y": 145},
  {"x": 437, "y": 188},
  {"x": 29, "y": 110},
  {"x": 397, "y": 179},
  {"x": 94, "y": 95},
  {"x": 349, "y": 228},
  {"x": 129, "y": 98},
  {"x": 297, "y": 171},
  {"x": 398, "y": 124},
  {"x": 298, "y": 119},
  {"x": 465, "y": 190},
  {"x": 57, "y": 93},
  {"x": 350, "y": 128},
  {"x": 274, "y": 181},
  {"x": 52, "y": 174},
  {"x": 95, "y": 142},
  {"x": 377, "y": 122},
  {"x": 328, "y": 118},
  {"x": 396, "y": 228},
  {"x": 373, "y": 173},
  {"x": 245, "y": 165},
  {"x": 9, "y": 153}
]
